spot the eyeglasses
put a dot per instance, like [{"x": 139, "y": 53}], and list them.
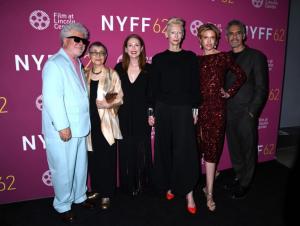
[
  {"x": 97, "y": 54},
  {"x": 78, "y": 39}
]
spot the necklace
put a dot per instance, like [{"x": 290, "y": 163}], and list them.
[{"x": 95, "y": 72}]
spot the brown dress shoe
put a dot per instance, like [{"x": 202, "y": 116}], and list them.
[
  {"x": 105, "y": 203},
  {"x": 87, "y": 204},
  {"x": 68, "y": 216}
]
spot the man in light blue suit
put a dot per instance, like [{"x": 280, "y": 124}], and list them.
[{"x": 65, "y": 120}]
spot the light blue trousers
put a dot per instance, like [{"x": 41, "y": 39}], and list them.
[{"x": 68, "y": 165}]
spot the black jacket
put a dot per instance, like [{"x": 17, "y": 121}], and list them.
[{"x": 253, "y": 94}]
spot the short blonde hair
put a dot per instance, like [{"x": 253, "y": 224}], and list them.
[
  {"x": 209, "y": 27},
  {"x": 177, "y": 21}
]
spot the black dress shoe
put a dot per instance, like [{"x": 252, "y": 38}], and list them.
[
  {"x": 87, "y": 204},
  {"x": 240, "y": 192},
  {"x": 68, "y": 216}
]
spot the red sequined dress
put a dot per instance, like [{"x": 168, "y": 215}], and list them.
[{"x": 211, "y": 122}]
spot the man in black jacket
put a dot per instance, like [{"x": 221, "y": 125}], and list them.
[{"x": 244, "y": 108}]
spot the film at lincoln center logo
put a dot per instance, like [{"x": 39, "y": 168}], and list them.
[{"x": 39, "y": 20}]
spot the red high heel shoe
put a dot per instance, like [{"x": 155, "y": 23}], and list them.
[
  {"x": 170, "y": 196},
  {"x": 190, "y": 200},
  {"x": 192, "y": 210}
]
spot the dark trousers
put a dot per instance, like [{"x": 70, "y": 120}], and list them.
[
  {"x": 242, "y": 138},
  {"x": 176, "y": 160},
  {"x": 102, "y": 166}
]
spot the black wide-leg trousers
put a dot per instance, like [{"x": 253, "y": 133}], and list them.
[{"x": 176, "y": 159}]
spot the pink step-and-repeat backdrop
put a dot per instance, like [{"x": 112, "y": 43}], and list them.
[{"x": 30, "y": 34}]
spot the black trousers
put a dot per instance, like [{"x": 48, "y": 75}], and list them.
[
  {"x": 176, "y": 159},
  {"x": 102, "y": 165},
  {"x": 242, "y": 138}
]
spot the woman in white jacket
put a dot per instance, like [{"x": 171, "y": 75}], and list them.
[{"x": 106, "y": 96}]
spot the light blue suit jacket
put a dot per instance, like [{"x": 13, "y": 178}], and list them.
[{"x": 65, "y": 99}]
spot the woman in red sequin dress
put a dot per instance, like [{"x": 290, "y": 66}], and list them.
[{"x": 211, "y": 124}]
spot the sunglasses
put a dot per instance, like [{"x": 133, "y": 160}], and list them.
[{"x": 78, "y": 39}]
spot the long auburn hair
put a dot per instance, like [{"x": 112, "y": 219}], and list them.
[{"x": 142, "y": 56}]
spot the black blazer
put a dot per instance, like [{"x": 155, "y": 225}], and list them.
[{"x": 252, "y": 96}]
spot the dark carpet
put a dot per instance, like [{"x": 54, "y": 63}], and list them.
[{"x": 267, "y": 203}]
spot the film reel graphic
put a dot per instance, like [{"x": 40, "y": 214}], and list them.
[
  {"x": 257, "y": 3},
  {"x": 39, "y": 103},
  {"x": 46, "y": 178},
  {"x": 194, "y": 26},
  {"x": 39, "y": 20}
]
